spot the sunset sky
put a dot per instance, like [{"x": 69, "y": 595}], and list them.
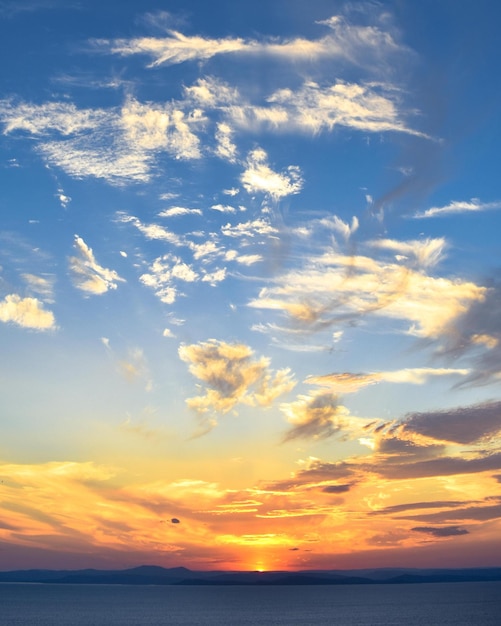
[{"x": 250, "y": 294}]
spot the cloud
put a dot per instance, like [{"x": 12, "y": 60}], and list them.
[
  {"x": 423, "y": 253},
  {"x": 164, "y": 274},
  {"x": 153, "y": 127},
  {"x": 225, "y": 149},
  {"x": 134, "y": 367},
  {"x": 318, "y": 416},
  {"x": 62, "y": 117},
  {"x": 347, "y": 382},
  {"x": 223, "y": 208},
  {"x": 477, "y": 333},
  {"x": 177, "y": 211},
  {"x": 248, "y": 259},
  {"x": 336, "y": 488},
  {"x": 360, "y": 45},
  {"x": 333, "y": 289},
  {"x": 313, "y": 108},
  {"x": 84, "y": 157},
  {"x": 398, "y": 508},
  {"x": 444, "y": 466},
  {"x": 259, "y": 177},
  {"x": 458, "y": 206},
  {"x": 232, "y": 375},
  {"x": 88, "y": 275},
  {"x": 118, "y": 144},
  {"x": 442, "y": 531},
  {"x": 26, "y": 312},
  {"x": 252, "y": 228},
  {"x": 466, "y": 425},
  {"x": 150, "y": 231},
  {"x": 40, "y": 285},
  {"x": 343, "y": 228}
]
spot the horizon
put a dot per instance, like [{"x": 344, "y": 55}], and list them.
[{"x": 249, "y": 285}]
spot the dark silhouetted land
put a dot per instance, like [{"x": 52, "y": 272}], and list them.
[{"x": 154, "y": 575}]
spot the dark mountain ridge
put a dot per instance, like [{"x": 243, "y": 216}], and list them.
[{"x": 156, "y": 575}]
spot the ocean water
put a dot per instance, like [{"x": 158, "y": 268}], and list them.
[{"x": 437, "y": 604}]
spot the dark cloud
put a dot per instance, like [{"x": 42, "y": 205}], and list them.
[
  {"x": 459, "y": 425},
  {"x": 445, "y": 466},
  {"x": 316, "y": 472},
  {"x": 497, "y": 477},
  {"x": 336, "y": 488},
  {"x": 318, "y": 418},
  {"x": 174, "y": 520},
  {"x": 477, "y": 513},
  {"x": 444, "y": 531},
  {"x": 404, "y": 448},
  {"x": 478, "y": 332},
  {"x": 398, "y": 508}
]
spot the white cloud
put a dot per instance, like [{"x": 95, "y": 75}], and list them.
[
  {"x": 357, "y": 44},
  {"x": 113, "y": 161},
  {"x": 150, "y": 231},
  {"x": 251, "y": 228},
  {"x": 88, "y": 275},
  {"x": 215, "y": 277},
  {"x": 472, "y": 206},
  {"x": 207, "y": 249},
  {"x": 63, "y": 117},
  {"x": 177, "y": 211},
  {"x": 223, "y": 208},
  {"x": 116, "y": 144},
  {"x": 371, "y": 107},
  {"x": 211, "y": 92},
  {"x": 337, "y": 224},
  {"x": 149, "y": 127},
  {"x": 426, "y": 252},
  {"x": 26, "y": 312},
  {"x": 225, "y": 148},
  {"x": 248, "y": 259},
  {"x": 259, "y": 177}
]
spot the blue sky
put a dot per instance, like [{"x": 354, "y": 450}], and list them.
[{"x": 249, "y": 265}]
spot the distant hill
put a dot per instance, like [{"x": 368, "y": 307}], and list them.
[{"x": 155, "y": 575}]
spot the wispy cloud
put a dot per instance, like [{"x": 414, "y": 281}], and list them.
[
  {"x": 41, "y": 285},
  {"x": 366, "y": 107},
  {"x": 458, "y": 206},
  {"x": 441, "y": 531},
  {"x": 347, "y": 382},
  {"x": 333, "y": 289},
  {"x": 353, "y": 43},
  {"x": 87, "y": 274}
]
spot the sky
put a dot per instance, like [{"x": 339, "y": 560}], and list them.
[{"x": 250, "y": 305}]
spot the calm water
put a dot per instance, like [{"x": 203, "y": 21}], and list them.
[{"x": 457, "y": 604}]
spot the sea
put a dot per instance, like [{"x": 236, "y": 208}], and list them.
[{"x": 423, "y": 604}]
